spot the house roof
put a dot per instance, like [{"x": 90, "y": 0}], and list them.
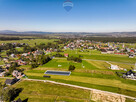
[
  {"x": 103, "y": 50},
  {"x": 110, "y": 50},
  {"x": 10, "y": 81},
  {"x": 130, "y": 72}
]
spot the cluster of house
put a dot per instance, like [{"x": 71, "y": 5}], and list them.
[
  {"x": 107, "y": 51},
  {"x": 129, "y": 75},
  {"x": 17, "y": 75},
  {"x": 14, "y": 44},
  {"x": 8, "y": 62},
  {"x": 5, "y": 69},
  {"x": 127, "y": 51},
  {"x": 131, "y": 52},
  {"x": 85, "y": 44},
  {"x": 37, "y": 52},
  {"x": 105, "y": 48},
  {"x": 2, "y": 72}
]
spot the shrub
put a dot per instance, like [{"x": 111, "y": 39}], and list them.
[
  {"x": 76, "y": 59},
  {"x": 71, "y": 68}
]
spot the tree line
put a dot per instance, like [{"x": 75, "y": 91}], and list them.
[
  {"x": 10, "y": 38},
  {"x": 75, "y": 59},
  {"x": 112, "y": 39}
]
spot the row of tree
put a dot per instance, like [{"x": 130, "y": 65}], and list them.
[
  {"x": 39, "y": 60},
  {"x": 8, "y": 46},
  {"x": 13, "y": 51},
  {"x": 112, "y": 39},
  {"x": 10, "y": 38},
  {"x": 75, "y": 59},
  {"x": 8, "y": 94}
]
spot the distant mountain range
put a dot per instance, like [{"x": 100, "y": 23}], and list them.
[
  {"x": 25, "y": 32},
  {"x": 122, "y": 34}
]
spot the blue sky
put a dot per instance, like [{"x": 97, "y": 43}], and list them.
[{"x": 86, "y": 15}]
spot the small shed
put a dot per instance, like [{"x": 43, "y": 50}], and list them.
[
  {"x": 66, "y": 54},
  {"x": 11, "y": 81}
]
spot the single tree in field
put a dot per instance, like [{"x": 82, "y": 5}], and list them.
[{"x": 71, "y": 68}]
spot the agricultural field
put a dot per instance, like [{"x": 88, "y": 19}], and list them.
[
  {"x": 95, "y": 75},
  {"x": 30, "y": 42},
  {"x": 93, "y": 72},
  {"x": 96, "y": 55},
  {"x": 41, "y": 92}
]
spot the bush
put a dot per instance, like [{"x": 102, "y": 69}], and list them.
[
  {"x": 7, "y": 74},
  {"x": 71, "y": 68},
  {"x": 76, "y": 59},
  {"x": 59, "y": 55}
]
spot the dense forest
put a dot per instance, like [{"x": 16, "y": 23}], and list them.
[
  {"x": 10, "y": 38},
  {"x": 66, "y": 38},
  {"x": 113, "y": 39}
]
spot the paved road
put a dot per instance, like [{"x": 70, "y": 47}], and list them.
[{"x": 85, "y": 88}]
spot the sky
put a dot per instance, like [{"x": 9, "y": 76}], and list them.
[{"x": 85, "y": 16}]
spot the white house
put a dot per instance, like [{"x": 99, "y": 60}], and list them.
[
  {"x": 114, "y": 67},
  {"x": 25, "y": 54}
]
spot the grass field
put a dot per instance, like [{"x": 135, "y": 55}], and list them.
[
  {"x": 65, "y": 64},
  {"x": 34, "y": 91},
  {"x": 96, "y": 55},
  {"x": 94, "y": 75},
  {"x": 90, "y": 73},
  {"x": 30, "y": 42},
  {"x": 1, "y": 62},
  {"x": 47, "y": 92}
]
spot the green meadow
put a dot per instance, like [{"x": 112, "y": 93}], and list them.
[
  {"x": 47, "y": 92},
  {"x": 95, "y": 74},
  {"x": 96, "y": 55},
  {"x": 34, "y": 91}
]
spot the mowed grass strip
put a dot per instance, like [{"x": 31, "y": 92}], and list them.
[
  {"x": 47, "y": 92},
  {"x": 54, "y": 63},
  {"x": 99, "y": 64},
  {"x": 2, "y": 80},
  {"x": 125, "y": 66},
  {"x": 85, "y": 73}
]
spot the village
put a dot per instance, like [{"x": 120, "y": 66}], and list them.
[
  {"x": 19, "y": 60},
  {"x": 105, "y": 48}
]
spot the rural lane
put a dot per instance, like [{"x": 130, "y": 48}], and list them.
[
  {"x": 75, "y": 86},
  {"x": 85, "y": 88}
]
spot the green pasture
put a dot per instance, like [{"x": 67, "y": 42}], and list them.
[
  {"x": 1, "y": 62},
  {"x": 2, "y": 80},
  {"x": 113, "y": 85},
  {"x": 96, "y": 55},
  {"x": 95, "y": 73},
  {"x": 79, "y": 66},
  {"x": 3, "y": 53},
  {"x": 124, "y": 66},
  {"x": 41, "y": 92},
  {"x": 19, "y": 49}
]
